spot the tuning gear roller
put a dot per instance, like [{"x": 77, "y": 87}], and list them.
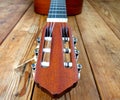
[
  {"x": 65, "y": 39},
  {"x": 67, "y": 50},
  {"x": 68, "y": 64}
]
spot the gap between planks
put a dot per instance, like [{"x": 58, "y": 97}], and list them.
[
  {"x": 9, "y": 25},
  {"x": 88, "y": 59},
  {"x": 101, "y": 42},
  {"x": 108, "y": 14}
]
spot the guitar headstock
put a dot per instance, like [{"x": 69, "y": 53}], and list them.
[{"x": 56, "y": 59}]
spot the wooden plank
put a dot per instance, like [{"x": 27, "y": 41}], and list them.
[
  {"x": 13, "y": 51},
  {"x": 83, "y": 90},
  {"x": 10, "y": 13},
  {"x": 109, "y": 10},
  {"x": 103, "y": 49}
]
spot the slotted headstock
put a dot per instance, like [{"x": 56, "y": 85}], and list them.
[{"x": 56, "y": 67}]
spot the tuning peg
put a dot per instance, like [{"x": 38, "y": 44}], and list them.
[
  {"x": 38, "y": 40},
  {"x": 76, "y": 53},
  {"x": 36, "y": 51},
  {"x": 75, "y": 40},
  {"x": 79, "y": 67},
  {"x": 33, "y": 66}
]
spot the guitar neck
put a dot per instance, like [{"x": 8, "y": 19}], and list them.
[{"x": 57, "y": 11}]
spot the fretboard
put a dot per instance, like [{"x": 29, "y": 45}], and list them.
[{"x": 57, "y": 11}]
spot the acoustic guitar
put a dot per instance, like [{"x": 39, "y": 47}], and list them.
[{"x": 56, "y": 65}]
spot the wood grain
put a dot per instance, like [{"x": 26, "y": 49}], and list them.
[
  {"x": 97, "y": 30},
  {"x": 103, "y": 49},
  {"x": 109, "y": 10},
  {"x": 10, "y": 13},
  {"x": 12, "y": 53}
]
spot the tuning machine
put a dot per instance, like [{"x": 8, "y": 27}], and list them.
[
  {"x": 38, "y": 42},
  {"x": 68, "y": 64},
  {"x": 36, "y": 51},
  {"x": 75, "y": 40},
  {"x": 33, "y": 66},
  {"x": 79, "y": 67},
  {"x": 76, "y": 53}
]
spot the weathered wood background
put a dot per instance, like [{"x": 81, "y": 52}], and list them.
[{"x": 98, "y": 33}]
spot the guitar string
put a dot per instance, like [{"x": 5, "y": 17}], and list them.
[
  {"x": 51, "y": 25},
  {"x": 49, "y": 30},
  {"x": 64, "y": 35}
]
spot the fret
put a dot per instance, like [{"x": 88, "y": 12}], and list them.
[
  {"x": 61, "y": 16},
  {"x": 58, "y": 3},
  {"x": 60, "y": 8},
  {"x": 57, "y": 16},
  {"x": 57, "y": 11},
  {"x": 54, "y": 5}
]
